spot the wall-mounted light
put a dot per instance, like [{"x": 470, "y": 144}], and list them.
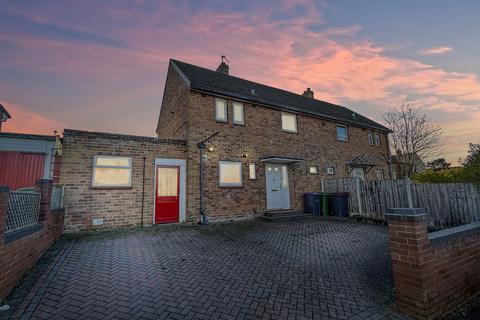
[
  {"x": 244, "y": 155},
  {"x": 210, "y": 149}
]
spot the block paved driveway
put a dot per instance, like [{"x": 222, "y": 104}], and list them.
[{"x": 314, "y": 269}]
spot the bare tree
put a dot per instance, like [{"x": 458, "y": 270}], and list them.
[{"x": 413, "y": 137}]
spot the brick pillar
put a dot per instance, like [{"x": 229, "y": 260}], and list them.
[
  {"x": 4, "y": 193},
  {"x": 44, "y": 187},
  {"x": 409, "y": 248}
]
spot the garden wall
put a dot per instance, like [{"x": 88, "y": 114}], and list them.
[
  {"x": 20, "y": 249},
  {"x": 434, "y": 272}
]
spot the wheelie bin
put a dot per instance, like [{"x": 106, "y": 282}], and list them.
[
  {"x": 312, "y": 202},
  {"x": 340, "y": 204}
]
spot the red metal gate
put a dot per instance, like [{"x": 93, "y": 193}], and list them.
[{"x": 21, "y": 169}]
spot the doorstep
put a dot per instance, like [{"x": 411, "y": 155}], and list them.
[{"x": 284, "y": 215}]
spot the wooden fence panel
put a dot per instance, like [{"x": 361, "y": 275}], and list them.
[
  {"x": 447, "y": 204},
  {"x": 343, "y": 185}
]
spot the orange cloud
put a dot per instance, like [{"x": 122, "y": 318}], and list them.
[
  {"x": 286, "y": 53},
  {"x": 436, "y": 51},
  {"x": 25, "y": 121}
]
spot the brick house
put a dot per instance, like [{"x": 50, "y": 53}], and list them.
[{"x": 261, "y": 147}]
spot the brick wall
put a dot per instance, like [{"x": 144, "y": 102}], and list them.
[
  {"x": 172, "y": 123},
  {"x": 117, "y": 207},
  {"x": 19, "y": 253},
  {"x": 316, "y": 142},
  {"x": 436, "y": 272}
]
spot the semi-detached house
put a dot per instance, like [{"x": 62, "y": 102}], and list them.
[{"x": 227, "y": 148}]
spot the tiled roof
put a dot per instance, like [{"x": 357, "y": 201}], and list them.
[{"x": 206, "y": 80}]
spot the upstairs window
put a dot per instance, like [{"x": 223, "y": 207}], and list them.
[
  {"x": 230, "y": 174},
  {"x": 238, "y": 115},
  {"x": 221, "y": 110},
  {"x": 376, "y": 137},
  {"x": 112, "y": 171},
  {"x": 342, "y": 132},
  {"x": 370, "y": 138},
  {"x": 289, "y": 122}
]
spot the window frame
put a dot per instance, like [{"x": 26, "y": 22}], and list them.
[
  {"x": 370, "y": 138},
  {"x": 250, "y": 165},
  {"x": 230, "y": 184},
  {"x": 217, "y": 119},
  {"x": 95, "y": 166},
  {"x": 376, "y": 139},
  {"x": 313, "y": 167},
  {"x": 296, "y": 122},
  {"x": 382, "y": 174},
  {"x": 346, "y": 131},
  {"x": 242, "y": 122}
]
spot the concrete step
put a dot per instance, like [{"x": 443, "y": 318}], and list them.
[
  {"x": 272, "y": 213},
  {"x": 285, "y": 216}
]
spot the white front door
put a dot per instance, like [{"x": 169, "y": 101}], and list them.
[
  {"x": 278, "y": 194},
  {"x": 358, "y": 172}
]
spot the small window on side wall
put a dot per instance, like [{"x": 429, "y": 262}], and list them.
[
  {"x": 378, "y": 174},
  {"x": 289, "y": 122},
  {"x": 370, "y": 138},
  {"x": 230, "y": 173},
  {"x": 112, "y": 171},
  {"x": 252, "y": 172},
  {"x": 342, "y": 132},
  {"x": 376, "y": 137},
  {"x": 313, "y": 170},
  {"x": 330, "y": 170},
  {"x": 238, "y": 113},
  {"x": 221, "y": 110}
]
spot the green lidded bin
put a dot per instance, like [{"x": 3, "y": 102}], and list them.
[{"x": 325, "y": 203}]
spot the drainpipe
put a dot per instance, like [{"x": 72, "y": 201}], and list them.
[
  {"x": 389, "y": 158},
  {"x": 143, "y": 189},
  {"x": 202, "y": 146}
]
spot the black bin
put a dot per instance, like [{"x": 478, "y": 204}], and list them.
[
  {"x": 339, "y": 204},
  {"x": 312, "y": 202}
]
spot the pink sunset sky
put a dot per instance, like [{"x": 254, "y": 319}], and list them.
[{"x": 101, "y": 65}]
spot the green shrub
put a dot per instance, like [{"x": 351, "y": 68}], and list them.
[{"x": 441, "y": 176}]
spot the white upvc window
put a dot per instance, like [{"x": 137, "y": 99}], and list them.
[
  {"x": 289, "y": 122},
  {"x": 378, "y": 174},
  {"x": 252, "y": 172},
  {"x": 342, "y": 132},
  {"x": 370, "y": 138},
  {"x": 376, "y": 137},
  {"x": 112, "y": 171},
  {"x": 238, "y": 113},
  {"x": 230, "y": 173},
  {"x": 313, "y": 170},
  {"x": 221, "y": 110},
  {"x": 330, "y": 170}
]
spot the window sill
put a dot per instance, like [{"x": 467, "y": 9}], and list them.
[
  {"x": 343, "y": 140},
  {"x": 287, "y": 131},
  {"x": 220, "y": 186},
  {"x": 110, "y": 188}
]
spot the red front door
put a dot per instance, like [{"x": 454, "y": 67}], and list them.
[{"x": 167, "y": 204}]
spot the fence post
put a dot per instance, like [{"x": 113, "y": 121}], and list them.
[
  {"x": 408, "y": 186},
  {"x": 44, "y": 187},
  {"x": 359, "y": 196},
  {"x": 4, "y": 194}
]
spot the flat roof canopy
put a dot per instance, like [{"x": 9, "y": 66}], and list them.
[{"x": 281, "y": 159}]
